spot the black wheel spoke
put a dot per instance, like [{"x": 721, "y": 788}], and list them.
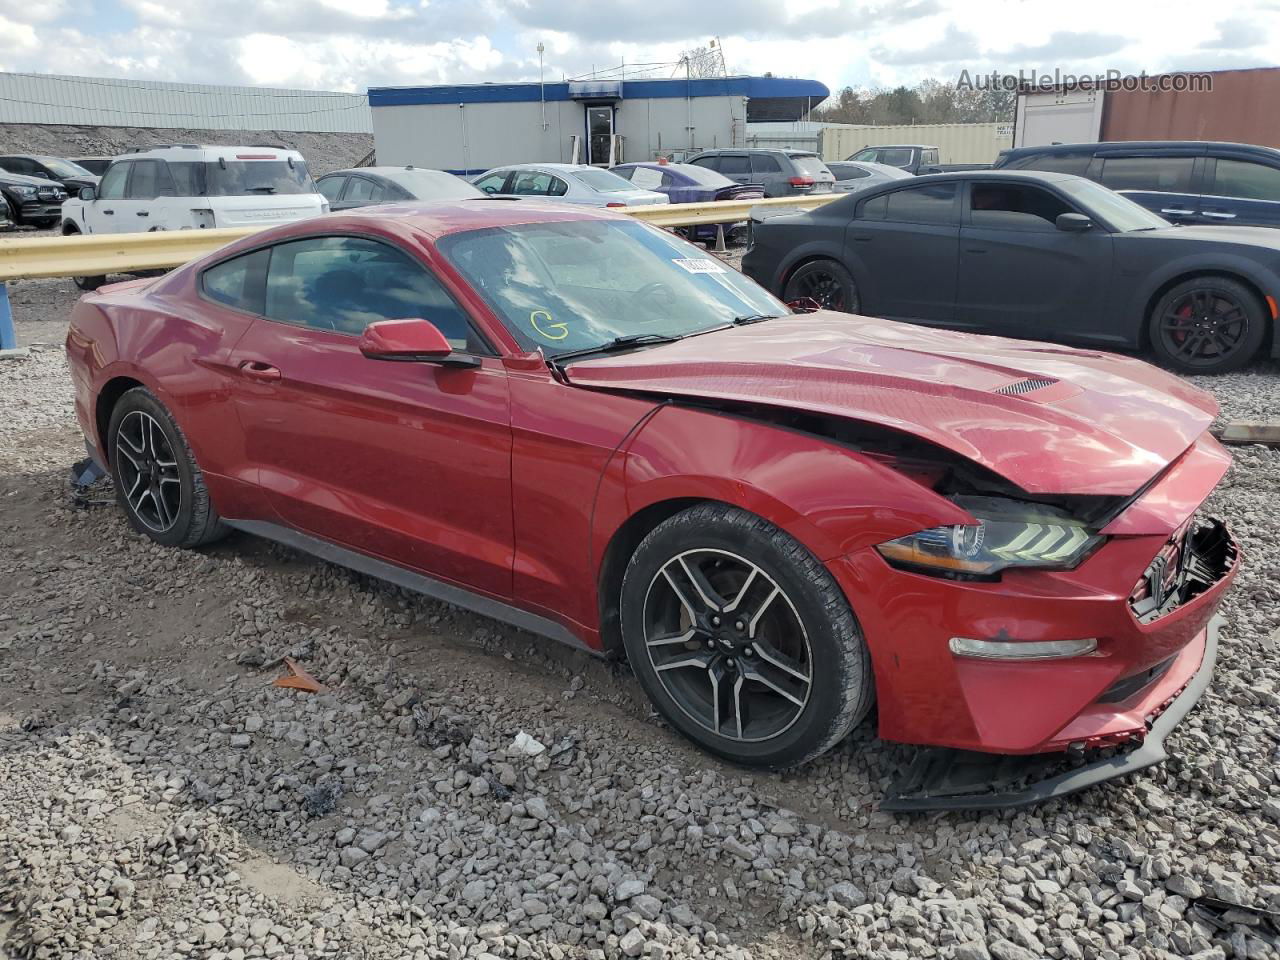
[{"x": 1203, "y": 327}]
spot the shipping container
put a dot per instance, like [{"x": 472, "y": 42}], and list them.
[{"x": 956, "y": 142}]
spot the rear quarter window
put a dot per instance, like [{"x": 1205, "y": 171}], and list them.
[{"x": 238, "y": 283}]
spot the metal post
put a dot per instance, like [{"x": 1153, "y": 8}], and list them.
[{"x": 8, "y": 336}]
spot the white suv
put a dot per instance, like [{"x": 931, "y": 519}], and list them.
[{"x": 184, "y": 187}]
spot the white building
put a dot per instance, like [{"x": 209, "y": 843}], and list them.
[{"x": 472, "y": 128}]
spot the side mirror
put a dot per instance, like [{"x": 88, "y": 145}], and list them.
[
  {"x": 411, "y": 340},
  {"x": 1073, "y": 222},
  {"x": 88, "y": 193}
]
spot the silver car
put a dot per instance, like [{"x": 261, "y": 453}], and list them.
[
  {"x": 566, "y": 182},
  {"x": 857, "y": 174}
]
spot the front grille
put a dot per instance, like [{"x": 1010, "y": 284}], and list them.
[
  {"x": 1024, "y": 386},
  {"x": 1125, "y": 688},
  {"x": 1194, "y": 559}
]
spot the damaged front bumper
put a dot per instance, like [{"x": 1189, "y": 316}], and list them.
[{"x": 946, "y": 779}]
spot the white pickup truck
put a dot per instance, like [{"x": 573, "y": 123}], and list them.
[{"x": 188, "y": 187}]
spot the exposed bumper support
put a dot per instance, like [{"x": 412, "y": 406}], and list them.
[{"x": 945, "y": 779}]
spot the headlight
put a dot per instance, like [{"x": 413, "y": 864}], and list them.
[
  {"x": 985, "y": 548},
  {"x": 25, "y": 191}
]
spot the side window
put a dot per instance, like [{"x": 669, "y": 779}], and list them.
[
  {"x": 343, "y": 284},
  {"x": 150, "y": 179},
  {"x": 646, "y": 178},
  {"x": 1014, "y": 206},
  {"x": 558, "y": 187},
  {"x": 933, "y": 203},
  {"x": 1246, "y": 180},
  {"x": 763, "y": 163},
  {"x": 711, "y": 163},
  {"x": 734, "y": 164},
  {"x": 363, "y": 190},
  {"x": 1073, "y": 163},
  {"x": 874, "y": 209},
  {"x": 112, "y": 185},
  {"x": 1159, "y": 174},
  {"x": 331, "y": 187},
  {"x": 867, "y": 156},
  {"x": 532, "y": 183},
  {"x": 188, "y": 178},
  {"x": 930, "y": 156},
  {"x": 19, "y": 165},
  {"x": 237, "y": 282},
  {"x": 492, "y": 183}
]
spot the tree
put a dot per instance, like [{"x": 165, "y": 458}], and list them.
[
  {"x": 929, "y": 101},
  {"x": 705, "y": 61}
]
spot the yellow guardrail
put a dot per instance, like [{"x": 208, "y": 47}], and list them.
[{"x": 92, "y": 255}]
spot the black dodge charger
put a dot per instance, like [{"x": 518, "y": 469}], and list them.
[{"x": 1041, "y": 256}]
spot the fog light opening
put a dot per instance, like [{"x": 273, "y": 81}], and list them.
[{"x": 1022, "y": 649}]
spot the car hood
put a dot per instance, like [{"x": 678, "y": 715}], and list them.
[
  {"x": 22, "y": 180},
  {"x": 1268, "y": 237},
  {"x": 1048, "y": 418}
]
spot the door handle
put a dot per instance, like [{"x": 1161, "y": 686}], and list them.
[
  {"x": 1176, "y": 211},
  {"x": 1219, "y": 215},
  {"x": 109, "y": 212},
  {"x": 257, "y": 370},
  {"x": 143, "y": 213}
]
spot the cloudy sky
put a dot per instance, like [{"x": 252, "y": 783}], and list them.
[{"x": 353, "y": 44}]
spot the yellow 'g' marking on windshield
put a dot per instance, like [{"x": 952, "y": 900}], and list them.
[{"x": 547, "y": 328}]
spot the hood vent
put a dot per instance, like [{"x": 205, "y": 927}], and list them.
[{"x": 1024, "y": 386}]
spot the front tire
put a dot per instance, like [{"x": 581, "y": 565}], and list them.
[
  {"x": 158, "y": 484},
  {"x": 1208, "y": 325},
  {"x": 742, "y": 639},
  {"x": 827, "y": 283},
  {"x": 84, "y": 283}
]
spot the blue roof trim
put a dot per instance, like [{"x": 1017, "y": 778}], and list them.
[{"x": 755, "y": 88}]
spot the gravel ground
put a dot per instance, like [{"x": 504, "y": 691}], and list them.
[{"x": 162, "y": 799}]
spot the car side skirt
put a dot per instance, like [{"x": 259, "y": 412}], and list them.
[{"x": 411, "y": 580}]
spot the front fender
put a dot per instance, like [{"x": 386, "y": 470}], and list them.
[{"x": 831, "y": 498}]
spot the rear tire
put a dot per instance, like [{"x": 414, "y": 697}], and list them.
[
  {"x": 826, "y": 282},
  {"x": 1208, "y": 325},
  {"x": 742, "y": 639},
  {"x": 158, "y": 484}
]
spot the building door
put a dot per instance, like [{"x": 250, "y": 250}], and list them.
[{"x": 599, "y": 134}]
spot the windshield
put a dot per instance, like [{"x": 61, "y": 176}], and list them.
[
  {"x": 703, "y": 176},
  {"x": 579, "y": 284},
  {"x": 433, "y": 184},
  {"x": 602, "y": 181},
  {"x": 900, "y": 157},
  {"x": 240, "y": 178},
  {"x": 64, "y": 168},
  {"x": 1122, "y": 213}
]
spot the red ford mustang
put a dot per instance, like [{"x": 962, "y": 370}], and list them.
[{"x": 582, "y": 425}]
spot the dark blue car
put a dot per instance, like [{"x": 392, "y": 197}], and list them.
[
  {"x": 687, "y": 183},
  {"x": 1184, "y": 181}
]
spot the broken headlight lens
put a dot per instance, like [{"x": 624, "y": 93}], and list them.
[{"x": 1050, "y": 540}]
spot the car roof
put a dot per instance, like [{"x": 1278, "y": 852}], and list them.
[
  {"x": 899, "y": 146},
  {"x": 789, "y": 151},
  {"x": 198, "y": 152},
  {"x": 383, "y": 171},
  {"x": 1044, "y": 176},
  {"x": 557, "y": 167},
  {"x": 1109, "y": 145}
]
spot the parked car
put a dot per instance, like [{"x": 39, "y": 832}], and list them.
[
  {"x": 782, "y": 173},
  {"x": 187, "y": 186},
  {"x": 362, "y": 186},
  {"x": 1185, "y": 181},
  {"x": 1034, "y": 255},
  {"x": 69, "y": 175},
  {"x": 596, "y": 431},
  {"x": 690, "y": 183},
  {"x": 95, "y": 165},
  {"x": 6, "y": 216},
  {"x": 32, "y": 201},
  {"x": 857, "y": 174},
  {"x": 916, "y": 159},
  {"x": 566, "y": 182}
]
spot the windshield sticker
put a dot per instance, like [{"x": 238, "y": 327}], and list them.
[
  {"x": 699, "y": 265},
  {"x": 545, "y": 327}
]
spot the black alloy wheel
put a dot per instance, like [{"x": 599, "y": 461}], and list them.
[
  {"x": 825, "y": 282},
  {"x": 1208, "y": 325}
]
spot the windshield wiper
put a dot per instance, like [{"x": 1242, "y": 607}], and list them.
[
  {"x": 754, "y": 318},
  {"x": 617, "y": 343}
]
